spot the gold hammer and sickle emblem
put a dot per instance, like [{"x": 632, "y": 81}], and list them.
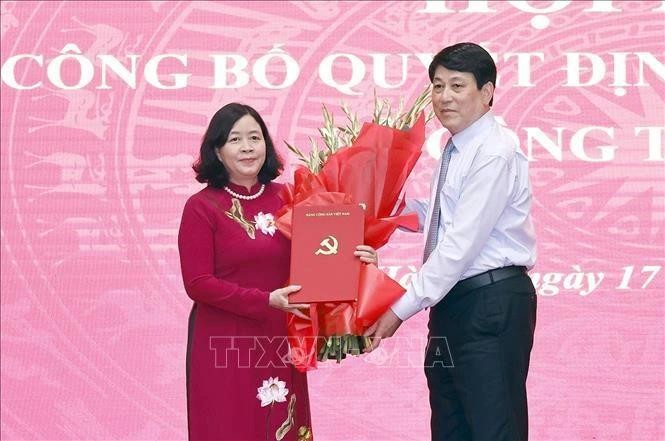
[{"x": 329, "y": 246}]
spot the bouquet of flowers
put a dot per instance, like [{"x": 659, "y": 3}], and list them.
[{"x": 367, "y": 166}]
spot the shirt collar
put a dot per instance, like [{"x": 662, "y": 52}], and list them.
[{"x": 464, "y": 138}]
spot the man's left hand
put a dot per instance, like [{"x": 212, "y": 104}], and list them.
[{"x": 367, "y": 254}]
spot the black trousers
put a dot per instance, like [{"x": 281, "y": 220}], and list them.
[{"x": 477, "y": 359}]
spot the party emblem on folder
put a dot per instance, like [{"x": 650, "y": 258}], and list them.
[{"x": 329, "y": 246}]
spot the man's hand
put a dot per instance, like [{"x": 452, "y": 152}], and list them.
[
  {"x": 384, "y": 327},
  {"x": 367, "y": 254}
]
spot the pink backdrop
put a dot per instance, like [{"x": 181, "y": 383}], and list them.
[{"x": 95, "y": 172}]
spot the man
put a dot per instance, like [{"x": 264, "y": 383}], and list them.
[{"x": 480, "y": 242}]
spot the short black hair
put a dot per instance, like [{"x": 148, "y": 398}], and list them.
[
  {"x": 466, "y": 57},
  {"x": 209, "y": 169}
]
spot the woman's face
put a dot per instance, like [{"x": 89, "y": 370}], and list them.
[{"x": 244, "y": 153}]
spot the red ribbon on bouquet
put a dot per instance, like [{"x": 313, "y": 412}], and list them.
[{"x": 372, "y": 172}]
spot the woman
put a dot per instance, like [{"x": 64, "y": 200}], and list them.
[{"x": 234, "y": 265}]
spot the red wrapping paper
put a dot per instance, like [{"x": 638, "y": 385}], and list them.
[{"x": 372, "y": 172}]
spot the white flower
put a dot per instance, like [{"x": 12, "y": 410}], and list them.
[
  {"x": 265, "y": 223},
  {"x": 271, "y": 391}
]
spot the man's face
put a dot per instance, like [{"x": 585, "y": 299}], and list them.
[{"x": 456, "y": 100}]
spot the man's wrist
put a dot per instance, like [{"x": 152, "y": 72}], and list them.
[{"x": 405, "y": 307}]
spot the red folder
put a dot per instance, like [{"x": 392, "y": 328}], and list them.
[{"x": 323, "y": 240}]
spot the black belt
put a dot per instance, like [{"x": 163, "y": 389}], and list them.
[{"x": 489, "y": 277}]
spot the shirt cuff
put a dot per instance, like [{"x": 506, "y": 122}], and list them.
[{"x": 406, "y": 307}]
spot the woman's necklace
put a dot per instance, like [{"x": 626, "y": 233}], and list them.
[{"x": 245, "y": 197}]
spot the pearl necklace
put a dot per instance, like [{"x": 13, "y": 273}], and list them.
[{"x": 242, "y": 196}]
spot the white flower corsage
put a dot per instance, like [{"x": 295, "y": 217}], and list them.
[{"x": 265, "y": 223}]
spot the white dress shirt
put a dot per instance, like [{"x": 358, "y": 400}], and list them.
[{"x": 484, "y": 223}]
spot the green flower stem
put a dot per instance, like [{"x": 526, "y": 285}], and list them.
[
  {"x": 336, "y": 137},
  {"x": 337, "y": 347}
]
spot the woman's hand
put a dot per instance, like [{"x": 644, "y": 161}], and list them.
[
  {"x": 367, "y": 254},
  {"x": 279, "y": 299}
]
